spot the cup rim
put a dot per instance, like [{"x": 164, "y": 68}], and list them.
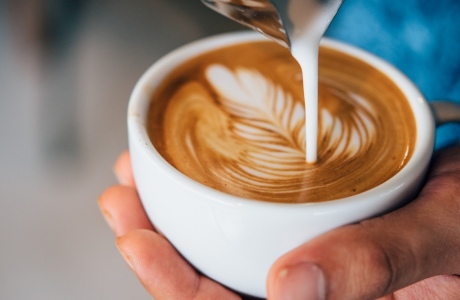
[{"x": 153, "y": 76}]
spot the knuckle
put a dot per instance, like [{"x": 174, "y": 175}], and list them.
[
  {"x": 393, "y": 260},
  {"x": 386, "y": 263},
  {"x": 368, "y": 264}
]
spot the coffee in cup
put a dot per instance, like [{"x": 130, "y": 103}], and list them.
[{"x": 234, "y": 119}]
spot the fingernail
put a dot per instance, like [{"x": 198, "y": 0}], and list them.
[
  {"x": 126, "y": 257},
  {"x": 304, "y": 281}
]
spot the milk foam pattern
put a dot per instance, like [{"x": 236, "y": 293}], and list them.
[
  {"x": 239, "y": 127},
  {"x": 260, "y": 144}
]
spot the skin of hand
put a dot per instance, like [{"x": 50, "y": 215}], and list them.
[{"x": 410, "y": 253}]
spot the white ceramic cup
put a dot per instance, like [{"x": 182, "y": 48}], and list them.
[{"x": 234, "y": 240}]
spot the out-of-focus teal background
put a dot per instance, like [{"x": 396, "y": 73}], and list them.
[{"x": 67, "y": 68}]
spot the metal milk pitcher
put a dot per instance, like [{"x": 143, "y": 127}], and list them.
[{"x": 285, "y": 21}]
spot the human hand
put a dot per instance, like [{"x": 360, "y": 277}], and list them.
[
  {"x": 407, "y": 254},
  {"x": 159, "y": 267},
  {"x": 410, "y": 253}
]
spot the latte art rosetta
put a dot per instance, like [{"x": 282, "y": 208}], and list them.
[{"x": 240, "y": 130}]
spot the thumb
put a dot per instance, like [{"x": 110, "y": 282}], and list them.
[{"x": 379, "y": 256}]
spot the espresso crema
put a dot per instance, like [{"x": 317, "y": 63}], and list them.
[{"x": 234, "y": 119}]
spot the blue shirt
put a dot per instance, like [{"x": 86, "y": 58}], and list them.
[{"x": 421, "y": 38}]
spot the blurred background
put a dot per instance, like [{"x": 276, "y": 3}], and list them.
[{"x": 67, "y": 68}]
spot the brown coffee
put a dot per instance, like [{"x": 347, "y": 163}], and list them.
[{"x": 233, "y": 119}]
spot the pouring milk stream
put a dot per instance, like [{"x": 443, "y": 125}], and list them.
[{"x": 298, "y": 25}]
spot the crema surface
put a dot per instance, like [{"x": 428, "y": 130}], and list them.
[{"x": 233, "y": 119}]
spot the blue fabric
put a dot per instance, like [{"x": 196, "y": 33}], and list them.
[{"x": 421, "y": 38}]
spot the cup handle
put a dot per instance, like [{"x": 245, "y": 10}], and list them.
[
  {"x": 445, "y": 111},
  {"x": 447, "y": 117}
]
